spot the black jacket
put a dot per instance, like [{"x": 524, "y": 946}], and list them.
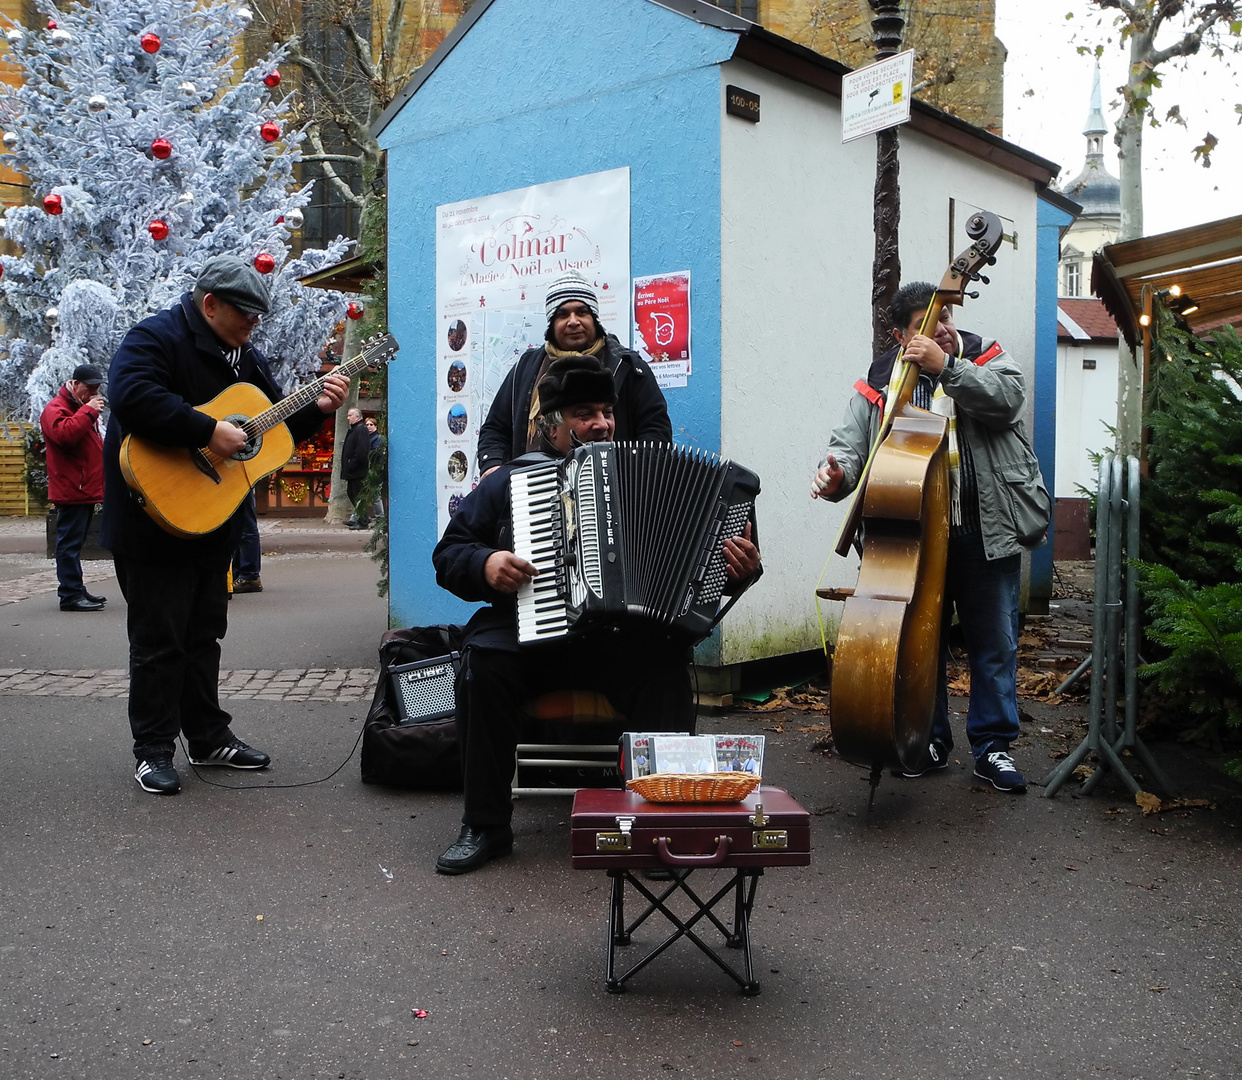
[
  {"x": 166, "y": 366},
  {"x": 356, "y": 453},
  {"x": 640, "y": 412}
]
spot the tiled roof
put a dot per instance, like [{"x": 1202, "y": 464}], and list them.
[{"x": 1090, "y": 316}]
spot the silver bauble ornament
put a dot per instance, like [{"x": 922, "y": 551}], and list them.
[
  {"x": 10, "y": 140},
  {"x": 51, "y": 316},
  {"x": 13, "y": 36},
  {"x": 294, "y": 218},
  {"x": 61, "y": 36},
  {"x": 189, "y": 89},
  {"x": 96, "y": 103},
  {"x": 245, "y": 16},
  {"x": 186, "y": 198}
]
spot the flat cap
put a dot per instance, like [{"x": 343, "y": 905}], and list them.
[
  {"x": 575, "y": 379},
  {"x": 88, "y": 374},
  {"x": 237, "y": 282}
]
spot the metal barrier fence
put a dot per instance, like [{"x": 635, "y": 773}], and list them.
[{"x": 1115, "y": 636}]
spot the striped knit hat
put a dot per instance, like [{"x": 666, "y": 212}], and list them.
[{"x": 569, "y": 287}]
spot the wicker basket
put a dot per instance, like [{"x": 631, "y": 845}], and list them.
[{"x": 695, "y": 787}]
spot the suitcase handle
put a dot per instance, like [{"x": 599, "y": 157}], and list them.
[{"x": 715, "y": 859}]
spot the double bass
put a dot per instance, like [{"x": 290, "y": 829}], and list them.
[{"x": 886, "y": 661}]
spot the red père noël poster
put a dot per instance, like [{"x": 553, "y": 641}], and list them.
[{"x": 662, "y": 322}]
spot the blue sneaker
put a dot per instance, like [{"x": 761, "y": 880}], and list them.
[
  {"x": 937, "y": 758},
  {"x": 998, "y": 769}
]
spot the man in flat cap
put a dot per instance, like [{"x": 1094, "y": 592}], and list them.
[
  {"x": 75, "y": 481},
  {"x": 176, "y": 587},
  {"x": 643, "y": 673},
  {"x": 572, "y": 305}
]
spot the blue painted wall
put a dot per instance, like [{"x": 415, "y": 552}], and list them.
[
  {"x": 588, "y": 85},
  {"x": 1051, "y": 219}
]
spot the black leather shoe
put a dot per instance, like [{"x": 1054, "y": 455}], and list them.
[
  {"x": 96, "y": 599},
  {"x": 81, "y": 605},
  {"x": 473, "y": 848}
]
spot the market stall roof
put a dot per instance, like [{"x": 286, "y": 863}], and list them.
[
  {"x": 349, "y": 275},
  {"x": 1204, "y": 261}
]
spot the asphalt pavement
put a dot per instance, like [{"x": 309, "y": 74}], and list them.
[{"x": 289, "y": 923}]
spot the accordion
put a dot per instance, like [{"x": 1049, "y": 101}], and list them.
[{"x": 623, "y": 531}]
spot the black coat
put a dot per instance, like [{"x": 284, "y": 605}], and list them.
[
  {"x": 166, "y": 366},
  {"x": 356, "y": 453},
  {"x": 641, "y": 411}
]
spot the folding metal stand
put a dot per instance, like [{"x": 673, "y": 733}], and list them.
[
  {"x": 1116, "y": 539},
  {"x": 742, "y": 887}
]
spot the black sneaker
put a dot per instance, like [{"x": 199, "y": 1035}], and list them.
[
  {"x": 234, "y": 753},
  {"x": 998, "y": 769},
  {"x": 158, "y": 776},
  {"x": 937, "y": 758}
]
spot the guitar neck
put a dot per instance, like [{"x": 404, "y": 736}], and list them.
[{"x": 303, "y": 396}]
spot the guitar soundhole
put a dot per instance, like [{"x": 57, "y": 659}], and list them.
[{"x": 253, "y": 444}]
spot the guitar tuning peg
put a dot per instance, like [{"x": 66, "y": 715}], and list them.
[
  {"x": 991, "y": 260},
  {"x": 973, "y": 295},
  {"x": 985, "y": 280}
]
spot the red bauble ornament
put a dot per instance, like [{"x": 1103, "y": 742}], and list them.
[
  {"x": 161, "y": 148},
  {"x": 52, "y": 203},
  {"x": 354, "y": 311},
  {"x": 272, "y": 79},
  {"x": 270, "y": 131},
  {"x": 150, "y": 43},
  {"x": 51, "y": 24},
  {"x": 264, "y": 263},
  {"x": 158, "y": 230}
]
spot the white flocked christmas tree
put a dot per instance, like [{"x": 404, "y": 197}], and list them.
[{"x": 148, "y": 148}]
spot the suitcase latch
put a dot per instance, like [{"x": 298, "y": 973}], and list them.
[
  {"x": 616, "y": 841},
  {"x": 770, "y": 839},
  {"x": 758, "y": 819}
]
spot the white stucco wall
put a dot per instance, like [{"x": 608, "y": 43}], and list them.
[
  {"x": 1086, "y": 406},
  {"x": 796, "y": 253}
]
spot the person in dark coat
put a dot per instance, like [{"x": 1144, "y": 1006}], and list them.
[
  {"x": 355, "y": 464},
  {"x": 643, "y": 672},
  {"x": 75, "y": 483},
  {"x": 177, "y": 587},
  {"x": 572, "y": 307}
]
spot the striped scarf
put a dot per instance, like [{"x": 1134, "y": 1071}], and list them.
[{"x": 551, "y": 352}]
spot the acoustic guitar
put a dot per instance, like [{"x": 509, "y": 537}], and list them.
[{"x": 189, "y": 492}]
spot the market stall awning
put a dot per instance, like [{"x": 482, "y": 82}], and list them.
[
  {"x": 1204, "y": 262},
  {"x": 349, "y": 275}
]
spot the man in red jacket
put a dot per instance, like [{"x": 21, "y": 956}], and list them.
[{"x": 75, "y": 479}]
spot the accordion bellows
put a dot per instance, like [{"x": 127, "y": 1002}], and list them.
[{"x": 627, "y": 531}]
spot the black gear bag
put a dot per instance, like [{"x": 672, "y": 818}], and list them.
[{"x": 410, "y": 737}]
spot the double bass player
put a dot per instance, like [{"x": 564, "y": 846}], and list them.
[{"x": 998, "y": 506}]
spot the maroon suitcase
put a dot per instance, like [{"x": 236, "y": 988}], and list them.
[
  {"x": 613, "y": 829},
  {"x": 622, "y": 834}
]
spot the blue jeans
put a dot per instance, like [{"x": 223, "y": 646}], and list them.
[
  {"x": 73, "y": 520},
  {"x": 985, "y": 595},
  {"x": 249, "y": 558}
]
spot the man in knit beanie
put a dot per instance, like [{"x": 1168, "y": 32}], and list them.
[{"x": 572, "y": 307}]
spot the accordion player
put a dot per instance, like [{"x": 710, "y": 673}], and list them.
[{"x": 627, "y": 531}]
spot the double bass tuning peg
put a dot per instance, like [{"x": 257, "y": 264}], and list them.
[
  {"x": 973, "y": 295},
  {"x": 980, "y": 277}
]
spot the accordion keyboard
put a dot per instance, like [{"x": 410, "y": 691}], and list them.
[{"x": 535, "y": 496}]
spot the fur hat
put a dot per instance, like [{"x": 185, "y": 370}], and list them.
[{"x": 575, "y": 380}]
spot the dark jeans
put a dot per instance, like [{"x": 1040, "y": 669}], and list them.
[
  {"x": 249, "y": 558},
  {"x": 650, "y": 687},
  {"x": 177, "y": 616},
  {"x": 353, "y": 488},
  {"x": 73, "y": 520},
  {"x": 985, "y": 594}
]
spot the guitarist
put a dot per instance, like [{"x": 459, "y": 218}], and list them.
[
  {"x": 998, "y": 507},
  {"x": 176, "y": 587}
]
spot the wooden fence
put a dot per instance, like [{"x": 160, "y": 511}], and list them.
[{"x": 14, "y": 500}]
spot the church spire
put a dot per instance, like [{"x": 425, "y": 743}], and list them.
[{"x": 1096, "y": 128}]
